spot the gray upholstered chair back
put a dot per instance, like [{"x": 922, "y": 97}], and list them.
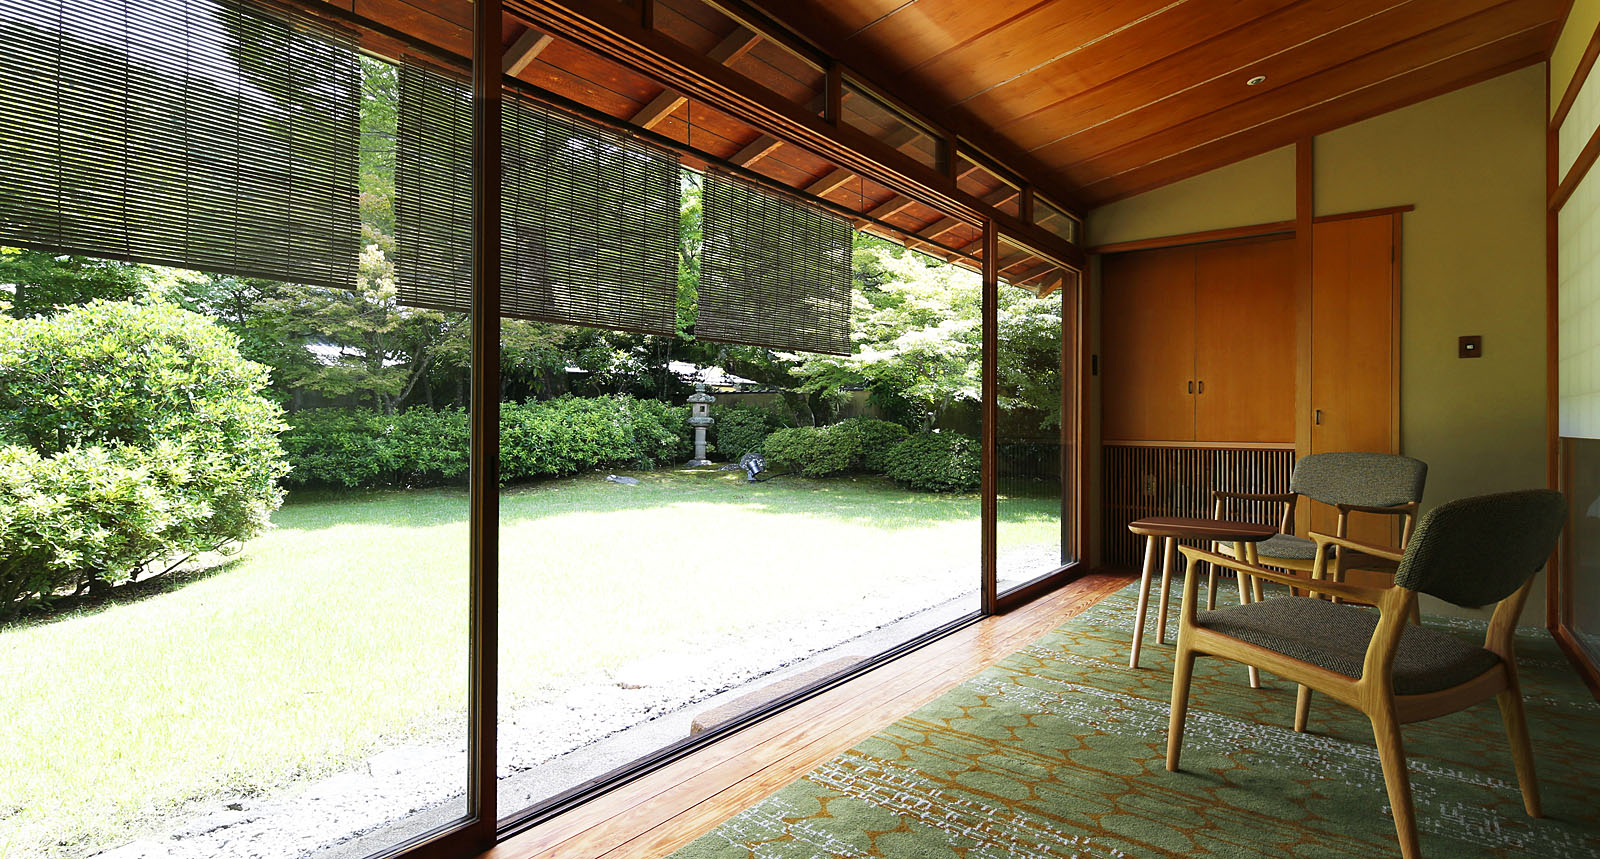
[
  {"x": 1478, "y": 551},
  {"x": 1367, "y": 479}
]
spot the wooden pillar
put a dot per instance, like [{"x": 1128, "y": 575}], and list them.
[
  {"x": 484, "y": 417},
  {"x": 991, "y": 413},
  {"x": 1304, "y": 212}
]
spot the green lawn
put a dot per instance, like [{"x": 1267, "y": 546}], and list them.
[{"x": 343, "y": 631}]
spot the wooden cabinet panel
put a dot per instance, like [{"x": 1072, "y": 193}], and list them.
[
  {"x": 1353, "y": 326},
  {"x": 1147, "y": 332},
  {"x": 1245, "y": 342}
]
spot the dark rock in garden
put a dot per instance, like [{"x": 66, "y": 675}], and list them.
[
  {"x": 732, "y": 466},
  {"x": 626, "y": 481}
]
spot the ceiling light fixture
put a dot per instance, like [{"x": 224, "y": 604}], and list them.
[{"x": 1256, "y": 80}]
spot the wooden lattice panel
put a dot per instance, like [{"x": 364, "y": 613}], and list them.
[{"x": 1145, "y": 481}]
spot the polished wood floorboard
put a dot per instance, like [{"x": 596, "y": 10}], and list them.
[{"x": 678, "y": 803}]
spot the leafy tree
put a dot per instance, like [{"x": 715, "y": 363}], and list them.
[{"x": 40, "y": 283}]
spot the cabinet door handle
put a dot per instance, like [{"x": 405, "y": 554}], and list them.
[
  {"x": 1202, "y": 386},
  {"x": 1317, "y": 416},
  {"x": 1191, "y": 386}
]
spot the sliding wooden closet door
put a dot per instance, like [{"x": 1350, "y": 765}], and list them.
[
  {"x": 1354, "y": 365},
  {"x": 1245, "y": 333},
  {"x": 1147, "y": 325}
]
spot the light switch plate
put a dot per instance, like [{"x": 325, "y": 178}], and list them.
[{"x": 1471, "y": 346}]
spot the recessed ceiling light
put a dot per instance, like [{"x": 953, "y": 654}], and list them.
[{"x": 1256, "y": 80}]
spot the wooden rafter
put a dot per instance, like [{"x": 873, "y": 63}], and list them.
[
  {"x": 525, "y": 50},
  {"x": 733, "y": 46},
  {"x": 618, "y": 36}
]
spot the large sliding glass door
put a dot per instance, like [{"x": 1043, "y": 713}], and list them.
[{"x": 438, "y": 451}]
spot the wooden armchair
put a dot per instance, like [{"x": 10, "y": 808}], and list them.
[
  {"x": 1352, "y": 482},
  {"x": 1471, "y": 552}
]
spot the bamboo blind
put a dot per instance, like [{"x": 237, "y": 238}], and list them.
[
  {"x": 590, "y": 215},
  {"x": 1177, "y": 481},
  {"x": 204, "y": 134},
  {"x": 774, "y": 271}
]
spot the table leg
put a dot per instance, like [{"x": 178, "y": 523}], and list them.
[
  {"x": 1167, "y": 560},
  {"x": 1255, "y": 561},
  {"x": 1247, "y": 551},
  {"x": 1144, "y": 599}
]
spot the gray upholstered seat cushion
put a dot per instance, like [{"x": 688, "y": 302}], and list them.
[
  {"x": 1286, "y": 546},
  {"x": 1335, "y": 637}
]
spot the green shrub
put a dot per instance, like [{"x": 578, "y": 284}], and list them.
[
  {"x": 872, "y": 443},
  {"x": 807, "y": 450},
  {"x": 360, "y": 447},
  {"x": 936, "y": 462},
  {"x": 738, "y": 431},
  {"x": 138, "y": 432},
  {"x": 340, "y": 447},
  {"x": 857, "y": 444}
]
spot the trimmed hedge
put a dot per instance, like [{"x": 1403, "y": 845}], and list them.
[
  {"x": 419, "y": 447},
  {"x": 937, "y": 462},
  {"x": 857, "y": 444},
  {"x": 738, "y": 431}
]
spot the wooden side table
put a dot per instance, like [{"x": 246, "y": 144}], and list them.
[{"x": 1171, "y": 529}]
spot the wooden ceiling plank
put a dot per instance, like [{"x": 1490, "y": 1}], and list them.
[
  {"x": 1369, "y": 70},
  {"x": 1302, "y": 61},
  {"x": 1141, "y": 61},
  {"x": 525, "y": 50},
  {"x": 1498, "y": 58},
  {"x": 914, "y": 33}
]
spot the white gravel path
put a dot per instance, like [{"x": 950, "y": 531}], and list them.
[{"x": 561, "y": 740}]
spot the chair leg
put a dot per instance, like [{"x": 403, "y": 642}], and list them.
[
  {"x": 1144, "y": 599},
  {"x": 1211, "y": 587},
  {"x": 1182, "y": 673},
  {"x": 1244, "y": 599},
  {"x": 1521, "y": 750},
  {"x": 1392, "y": 754},
  {"x": 1167, "y": 560},
  {"x": 1416, "y": 612},
  {"x": 1302, "y": 708}
]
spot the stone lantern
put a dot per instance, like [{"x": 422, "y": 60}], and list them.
[{"x": 700, "y": 418}]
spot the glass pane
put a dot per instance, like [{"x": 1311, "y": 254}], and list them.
[
  {"x": 247, "y": 631},
  {"x": 867, "y": 113},
  {"x": 1055, "y": 219},
  {"x": 1031, "y": 531},
  {"x": 650, "y": 590},
  {"x": 988, "y": 186},
  {"x": 1583, "y": 492}
]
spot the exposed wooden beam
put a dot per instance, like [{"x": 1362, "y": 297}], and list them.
[
  {"x": 756, "y": 150},
  {"x": 732, "y": 47},
  {"x": 525, "y": 50},
  {"x": 894, "y": 205},
  {"x": 831, "y": 182},
  {"x": 939, "y": 227}
]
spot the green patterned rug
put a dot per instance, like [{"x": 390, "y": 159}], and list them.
[{"x": 1058, "y": 751}]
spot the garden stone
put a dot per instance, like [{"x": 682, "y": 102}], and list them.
[{"x": 625, "y": 481}]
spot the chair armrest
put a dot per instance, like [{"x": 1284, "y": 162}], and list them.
[
  {"x": 1280, "y": 497},
  {"x": 1321, "y": 586},
  {"x": 1364, "y": 548}
]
